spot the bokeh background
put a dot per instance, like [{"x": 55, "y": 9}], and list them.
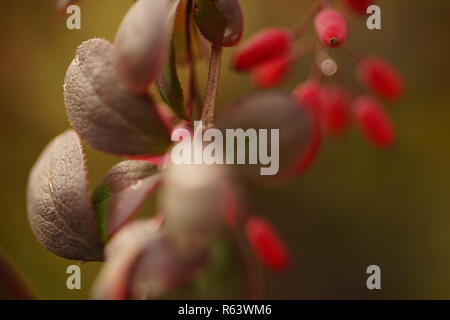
[{"x": 357, "y": 206}]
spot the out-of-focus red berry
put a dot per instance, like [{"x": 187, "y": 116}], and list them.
[
  {"x": 271, "y": 73},
  {"x": 310, "y": 96},
  {"x": 331, "y": 27},
  {"x": 380, "y": 77},
  {"x": 359, "y": 6},
  {"x": 374, "y": 122},
  {"x": 266, "y": 244},
  {"x": 157, "y": 160},
  {"x": 336, "y": 110},
  {"x": 262, "y": 47}
]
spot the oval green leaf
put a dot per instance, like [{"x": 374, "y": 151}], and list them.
[{"x": 170, "y": 89}]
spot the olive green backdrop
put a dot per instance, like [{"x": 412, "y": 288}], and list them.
[{"x": 357, "y": 206}]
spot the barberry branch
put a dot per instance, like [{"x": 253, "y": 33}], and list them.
[
  {"x": 194, "y": 103},
  {"x": 212, "y": 86},
  {"x": 353, "y": 52},
  {"x": 300, "y": 27}
]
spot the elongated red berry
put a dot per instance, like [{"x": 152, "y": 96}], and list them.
[
  {"x": 266, "y": 244},
  {"x": 310, "y": 96},
  {"x": 331, "y": 27},
  {"x": 359, "y": 6},
  {"x": 262, "y": 47},
  {"x": 158, "y": 160},
  {"x": 374, "y": 122},
  {"x": 336, "y": 110},
  {"x": 381, "y": 77},
  {"x": 271, "y": 73}
]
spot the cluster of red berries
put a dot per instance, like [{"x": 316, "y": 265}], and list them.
[{"x": 269, "y": 56}]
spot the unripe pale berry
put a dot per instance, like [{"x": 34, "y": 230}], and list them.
[
  {"x": 336, "y": 110},
  {"x": 310, "y": 96},
  {"x": 374, "y": 122},
  {"x": 262, "y": 47},
  {"x": 266, "y": 244},
  {"x": 380, "y": 77},
  {"x": 359, "y": 6},
  {"x": 271, "y": 73},
  {"x": 331, "y": 27}
]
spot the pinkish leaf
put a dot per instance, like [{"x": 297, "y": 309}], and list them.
[
  {"x": 142, "y": 262},
  {"x": 106, "y": 115},
  {"x": 59, "y": 208},
  {"x": 270, "y": 111},
  {"x": 122, "y": 191},
  {"x": 141, "y": 43}
]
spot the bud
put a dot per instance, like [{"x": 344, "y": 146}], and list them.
[
  {"x": 219, "y": 21},
  {"x": 262, "y": 47},
  {"x": 380, "y": 77},
  {"x": 273, "y": 72},
  {"x": 374, "y": 122},
  {"x": 266, "y": 244},
  {"x": 331, "y": 27}
]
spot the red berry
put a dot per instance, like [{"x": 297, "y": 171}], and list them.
[
  {"x": 336, "y": 110},
  {"x": 331, "y": 27},
  {"x": 380, "y": 77},
  {"x": 266, "y": 244},
  {"x": 359, "y": 6},
  {"x": 271, "y": 73},
  {"x": 310, "y": 96},
  {"x": 374, "y": 122},
  {"x": 262, "y": 47},
  {"x": 157, "y": 160}
]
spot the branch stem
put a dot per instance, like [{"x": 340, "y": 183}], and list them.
[
  {"x": 192, "y": 110},
  {"x": 301, "y": 26},
  {"x": 212, "y": 87}
]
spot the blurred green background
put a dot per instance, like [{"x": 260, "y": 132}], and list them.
[{"x": 357, "y": 206}]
